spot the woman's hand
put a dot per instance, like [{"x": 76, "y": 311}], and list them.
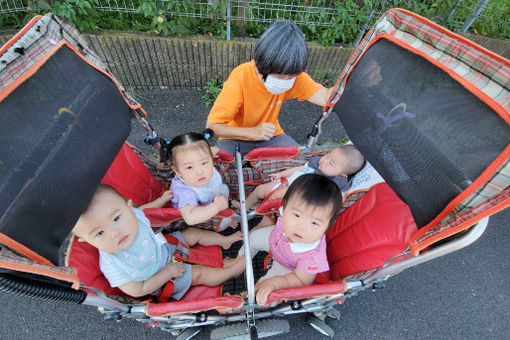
[{"x": 264, "y": 131}]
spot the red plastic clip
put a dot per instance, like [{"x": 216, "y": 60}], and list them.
[{"x": 152, "y": 325}]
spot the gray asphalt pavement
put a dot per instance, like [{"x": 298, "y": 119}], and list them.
[{"x": 463, "y": 295}]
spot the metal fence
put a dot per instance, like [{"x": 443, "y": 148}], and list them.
[{"x": 456, "y": 15}]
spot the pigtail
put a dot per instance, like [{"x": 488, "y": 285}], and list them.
[
  {"x": 164, "y": 151},
  {"x": 208, "y": 134}
]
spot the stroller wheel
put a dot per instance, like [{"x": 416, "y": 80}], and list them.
[
  {"x": 188, "y": 333},
  {"x": 238, "y": 331},
  {"x": 320, "y": 326},
  {"x": 333, "y": 313}
]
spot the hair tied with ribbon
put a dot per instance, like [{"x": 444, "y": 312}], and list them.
[{"x": 207, "y": 135}]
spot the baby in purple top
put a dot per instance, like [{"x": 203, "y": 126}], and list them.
[
  {"x": 199, "y": 192},
  {"x": 298, "y": 241}
]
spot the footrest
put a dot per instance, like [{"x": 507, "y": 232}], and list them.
[
  {"x": 180, "y": 307},
  {"x": 306, "y": 292}
]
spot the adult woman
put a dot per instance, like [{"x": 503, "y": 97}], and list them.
[{"x": 248, "y": 106}]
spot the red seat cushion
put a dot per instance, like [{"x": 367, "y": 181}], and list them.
[
  {"x": 374, "y": 229},
  {"x": 279, "y": 152},
  {"x": 131, "y": 178},
  {"x": 85, "y": 258}
]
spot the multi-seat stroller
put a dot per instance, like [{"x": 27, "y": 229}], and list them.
[{"x": 428, "y": 109}]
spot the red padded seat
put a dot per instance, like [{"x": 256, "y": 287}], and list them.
[
  {"x": 85, "y": 258},
  {"x": 131, "y": 178},
  {"x": 279, "y": 152},
  {"x": 374, "y": 229}
]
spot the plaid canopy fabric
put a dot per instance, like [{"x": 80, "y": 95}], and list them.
[
  {"x": 484, "y": 74},
  {"x": 486, "y": 71},
  {"x": 40, "y": 36}
]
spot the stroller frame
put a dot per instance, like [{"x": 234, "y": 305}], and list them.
[
  {"x": 248, "y": 318},
  {"x": 249, "y": 313}
]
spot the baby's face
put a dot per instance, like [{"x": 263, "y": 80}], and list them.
[
  {"x": 194, "y": 166},
  {"x": 334, "y": 163},
  {"x": 109, "y": 225},
  {"x": 304, "y": 223}
]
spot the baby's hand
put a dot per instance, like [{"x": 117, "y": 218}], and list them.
[
  {"x": 262, "y": 290},
  {"x": 214, "y": 150},
  {"x": 166, "y": 196},
  {"x": 175, "y": 269},
  {"x": 276, "y": 176},
  {"x": 221, "y": 202}
]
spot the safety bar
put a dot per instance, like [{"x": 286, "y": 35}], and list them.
[
  {"x": 471, "y": 236},
  {"x": 317, "y": 128},
  {"x": 250, "y": 281}
]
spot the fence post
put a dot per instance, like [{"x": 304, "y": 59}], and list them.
[
  {"x": 480, "y": 6},
  {"x": 228, "y": 19},
  {"x": 366, "y": 25},
  {"x": 452, "y": 10}
]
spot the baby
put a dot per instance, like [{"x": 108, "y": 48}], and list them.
[
  {"x": 138, "y": 261},
  {"x": 338, "y": 165},
  {"x": 199, "y": 192},
  {"x": 297, "y": 242}
]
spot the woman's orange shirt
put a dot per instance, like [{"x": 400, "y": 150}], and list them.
[{"x": 245, "y": 102}]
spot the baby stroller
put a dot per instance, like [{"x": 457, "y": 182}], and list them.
[{"x": 420, "y": 148}]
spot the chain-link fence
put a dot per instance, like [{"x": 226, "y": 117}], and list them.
[{"x": 492, "y": 17}]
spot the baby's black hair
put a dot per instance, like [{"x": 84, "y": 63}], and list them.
[
  {"x": 316, "y": 190},
  {"x": 166, "y": 152}
]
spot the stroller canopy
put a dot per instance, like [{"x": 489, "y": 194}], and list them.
[
  {"x": 64, "y": 119},
  {"x": 430, "y": 111}
]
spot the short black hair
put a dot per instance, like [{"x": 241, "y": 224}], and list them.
[
  {"x": 281, "y": 50},
  {"x": 166, "y": 152},
  {"x": 316, "y": 190}
]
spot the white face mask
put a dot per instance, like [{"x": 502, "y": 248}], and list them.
[{"x": 277, "y": 85}]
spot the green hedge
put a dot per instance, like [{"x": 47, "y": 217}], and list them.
[{"x": 347, "y": 23}]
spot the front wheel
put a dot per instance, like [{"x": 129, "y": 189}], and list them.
[
  {"x": 188, "y": 333},
  {"x": 239, "y": 331}
]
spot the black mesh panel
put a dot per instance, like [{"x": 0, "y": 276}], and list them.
[
  {"x": 426, "y": 134},
  {"x": 60, "y": 130}
]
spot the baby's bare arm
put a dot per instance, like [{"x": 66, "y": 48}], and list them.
[
  {"x": 159, "y": 202},
  {"x": 279, "y": 193},
  {"x": 285, "y": 173},
  {"x": 193, "y": 214},
  {"x": 156, "y": 281},
  {"x": 295, "y": 279}
]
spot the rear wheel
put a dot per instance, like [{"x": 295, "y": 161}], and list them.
[
  {"x": 239, "y": 331},
  {"x": 320, "y": 326}
]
